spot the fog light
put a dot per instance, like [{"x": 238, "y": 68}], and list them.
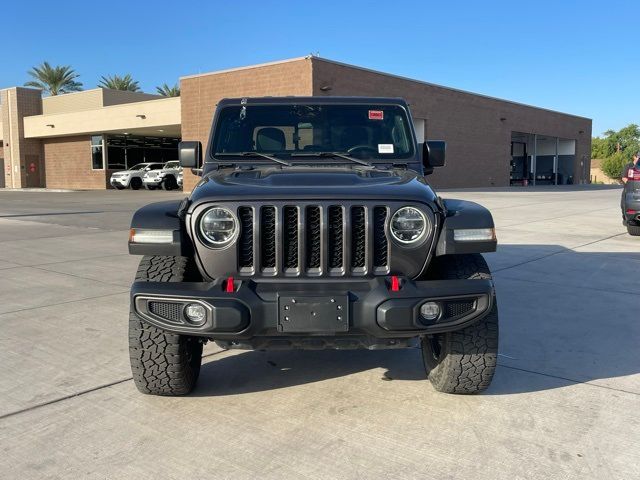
[
  {"x": 430, "y": 310},
  {"x": 195, "y": 313}
]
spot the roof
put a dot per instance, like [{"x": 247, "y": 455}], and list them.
[
  {"x": 391, "y": 75},
  {"x": 313, "y": 100}
]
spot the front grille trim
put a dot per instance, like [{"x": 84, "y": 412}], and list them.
[{"x": 225, "y": 263}]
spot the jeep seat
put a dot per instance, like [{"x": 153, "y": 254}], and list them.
[{"x": 270, "y": 139}]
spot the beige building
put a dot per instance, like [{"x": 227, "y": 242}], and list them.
[{"x": 76, "y": 140}]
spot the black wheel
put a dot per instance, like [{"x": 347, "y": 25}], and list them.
[
  {"x": 634, "y": 230},
  {"x": 135, "y": 183},
  {"x": 163, "y": 363},
  {"x": 169, "y": 183},
  {"x": 463, "y": 361}
]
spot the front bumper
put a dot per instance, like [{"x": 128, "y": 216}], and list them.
[
  {"x": 119, "y": 181},
  {"x": 152, "y": 182},
  {"x": 363, "y": 308}
]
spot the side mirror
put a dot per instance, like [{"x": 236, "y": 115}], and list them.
[
  {"x": 190, "y": 154},
  {"x": 433, "y": 154}
]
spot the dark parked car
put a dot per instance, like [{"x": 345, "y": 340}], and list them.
[
  {"x": 631, "y": 202},
  {"x": 313, "y": 227}
]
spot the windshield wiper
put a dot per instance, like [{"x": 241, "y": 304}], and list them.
[
  {"x": 334, "y": 154},
  {"x": 271, "y": 157}
]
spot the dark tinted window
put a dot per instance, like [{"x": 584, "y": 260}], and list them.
[{"x": 366, "y": 131}]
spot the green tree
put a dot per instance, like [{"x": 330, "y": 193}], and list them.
[
  {"x": 117, "y": 82},
  {"x": 167, "y": 91},
  {"x": 599, "y": 148},
  {"x": 54, "y": 80},
  {"x": 612, "y": 166}
]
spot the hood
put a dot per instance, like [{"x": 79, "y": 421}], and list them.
[{"x": 340, "y": 183}]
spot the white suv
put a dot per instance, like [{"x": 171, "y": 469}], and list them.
[
  {"x": 166, "y": 178},
  {"x": 133, "y": 176}
]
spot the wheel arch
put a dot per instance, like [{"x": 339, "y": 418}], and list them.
[
  {"x": 462, "y": 214},
  {"x": 165, "y": 216}
]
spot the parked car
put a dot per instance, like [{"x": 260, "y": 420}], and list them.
[
  {"x": 631, "y": 202},
  {"x": 133, "y": 176},
  {"x": 165, "y": 178},
  {"x": 180, "y": 178},
  {"x": 313, "y": 227}
]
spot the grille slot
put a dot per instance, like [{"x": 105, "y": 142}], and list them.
[
  {"x": 335, "y": 236},
  {"x": 358, "y": 238},
  {"x": 313, "y": 240},
  {"x": 167, "y": 310},
  {"x": 245, "y": 249},
  {"x": 290, "y": 237},
  {"x": 268, "y": 237},
  {"x": 380, "y": 242}
]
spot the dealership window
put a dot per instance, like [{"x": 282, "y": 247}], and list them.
[
  {"x": 126, "y": 151},
  {"x": 97, "y": 152}
]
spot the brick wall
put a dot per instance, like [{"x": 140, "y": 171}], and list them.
[
  {"x": 478, "y": 141},
  {"x": 200, "y": 94},
  {"x": 68, "y": 164},
  {"x": 18, "y": 102}
]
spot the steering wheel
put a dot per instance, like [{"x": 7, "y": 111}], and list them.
[{"x": 361, "y": 148}]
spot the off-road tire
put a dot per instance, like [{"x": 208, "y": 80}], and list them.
[
  {"x": 163, "y": 363},
  {"x": 634, "y": 230},
  {"x": 135, "y": 183},
  {"x": 169, "y": 183},
  {"x": 463, "y": 361}
]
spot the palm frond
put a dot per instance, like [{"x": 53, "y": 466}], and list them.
[
  {"x": 54, "y": 80},
  {"x": 117, "y": 82},
  {"x": 167, "y": 91}
]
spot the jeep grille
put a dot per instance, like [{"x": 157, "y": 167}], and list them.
[{"x": 313, "y": 240}]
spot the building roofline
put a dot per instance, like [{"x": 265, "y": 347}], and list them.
[
  {"x": 446, "y": 88},
  {"x": 378, "y": 72},
  {"x": 246, "y": 67}
]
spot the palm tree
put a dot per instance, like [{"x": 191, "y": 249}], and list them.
[
  {"x": 116, "y": 82},
  {"x": 54, "y": 80},
  {"x": 167, "y": 91}
]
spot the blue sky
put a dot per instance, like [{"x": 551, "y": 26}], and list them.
[{"x": 580, "y": 57}]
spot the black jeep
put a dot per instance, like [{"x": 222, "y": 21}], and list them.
[{"x": 313, "y": 227}]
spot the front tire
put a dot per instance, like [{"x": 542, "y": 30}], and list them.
[
  {"x": 463, "y": 361},
  {"x": 634, "y": 230},
  {"x": 135, "y": 183},
  {"x": 169, "y": 183},
  {"x": 163, "y": 363}
]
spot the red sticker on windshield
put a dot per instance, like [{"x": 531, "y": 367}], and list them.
[{"x": 376, "y": 115}]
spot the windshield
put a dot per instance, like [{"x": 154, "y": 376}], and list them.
[
  {"x": 172, "y": 164},
  {"x": 375, "y": 132},
  {"x": 140, "y": 166}
]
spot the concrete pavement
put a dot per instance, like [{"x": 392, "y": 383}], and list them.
[{"x": 563, "y": 404}]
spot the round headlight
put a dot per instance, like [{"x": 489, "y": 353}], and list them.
[
  {"x": 219, "y": 227},
  {"x": 408, "y": 225}
]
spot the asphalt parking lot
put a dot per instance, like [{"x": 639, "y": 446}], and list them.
[{"x": 564, "y": 402}]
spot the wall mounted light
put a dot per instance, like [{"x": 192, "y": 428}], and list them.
[
  {"x": 51, "y": 125},
  {"x": 503, "y": 119},
  {"x": 325, "y": 88},
  {"x": 141, "y": 116}
]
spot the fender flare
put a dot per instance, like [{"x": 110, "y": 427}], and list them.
[
  {"x": 462, "y": 214},
  {"x": 165, "y": 215}
]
